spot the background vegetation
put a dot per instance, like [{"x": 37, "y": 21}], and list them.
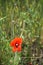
[{"x": 21, "y": 18}]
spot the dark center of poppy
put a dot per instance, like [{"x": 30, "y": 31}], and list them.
[{"x": 17, "y": 45}]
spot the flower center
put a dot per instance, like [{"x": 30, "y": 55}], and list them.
[{"x": 16, "y": 44}]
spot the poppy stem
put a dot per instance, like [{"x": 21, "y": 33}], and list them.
[{"x": 16, "y": 58}]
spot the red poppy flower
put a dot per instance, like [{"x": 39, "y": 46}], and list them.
[
  {"x": 30, "y": 63},
  {"x": 16, "y": 44}
]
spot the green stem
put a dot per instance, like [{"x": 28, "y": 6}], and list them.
[{"x": 16, "y": 58}]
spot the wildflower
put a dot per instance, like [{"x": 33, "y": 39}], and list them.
[
  {"x": 16, "y": 44},
  {"x": 30, "y": 63}
]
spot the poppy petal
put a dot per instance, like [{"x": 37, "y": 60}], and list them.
[
  {"x": 19, "y": 40},
  {"x": 19, "y": 49},
  {"x": 14, "y": 49},
  {"x": 12, "y": 43}
]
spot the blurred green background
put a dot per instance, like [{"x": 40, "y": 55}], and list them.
[{"x": 21, "y": 18}]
